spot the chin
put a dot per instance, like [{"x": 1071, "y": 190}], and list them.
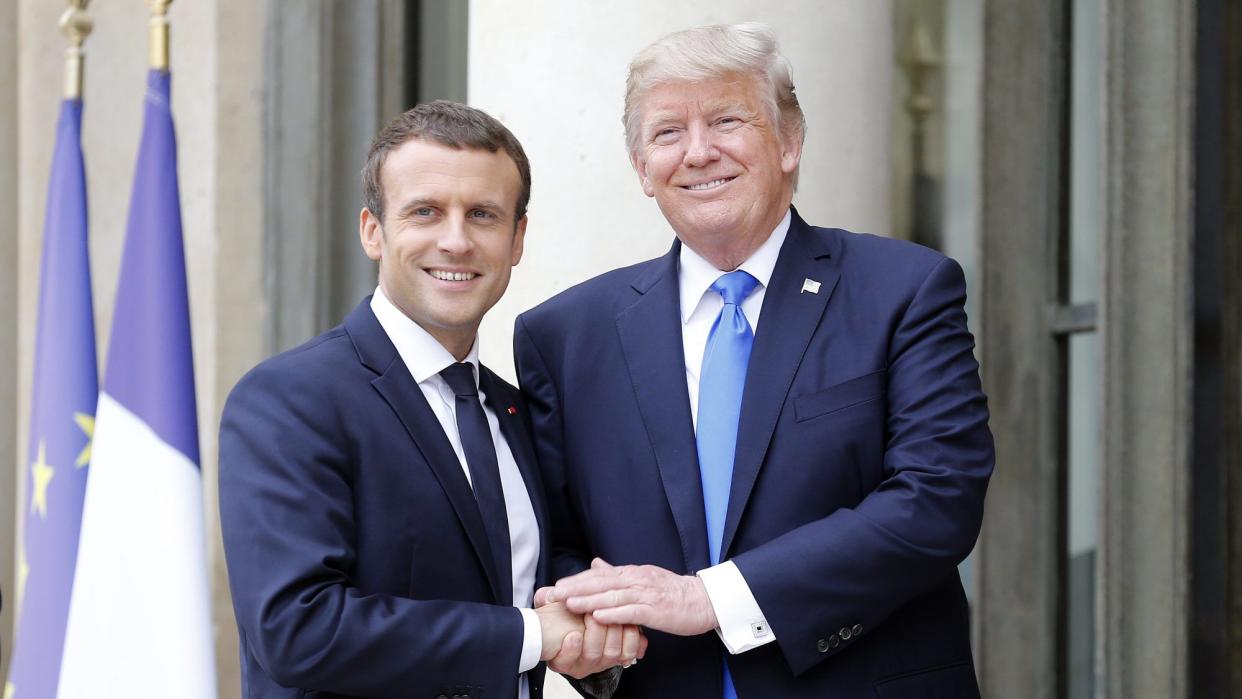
[{"x": 712, "y": 226}]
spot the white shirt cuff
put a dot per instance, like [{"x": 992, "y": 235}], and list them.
[
  {"x": 532, "y": 640},
  {"x": 742, "y": 624}
]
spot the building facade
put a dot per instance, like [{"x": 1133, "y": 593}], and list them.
[{"x": 1083, "y": 160}]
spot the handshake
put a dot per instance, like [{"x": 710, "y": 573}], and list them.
[{"x": 592, "y": 621}]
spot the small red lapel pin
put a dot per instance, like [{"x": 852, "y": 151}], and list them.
[{"x": 512, "y": 410}]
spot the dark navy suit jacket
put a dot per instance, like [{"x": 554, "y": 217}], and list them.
[
  {"x": 863, "y": 454},
  {"x": 357, "y": 556}
]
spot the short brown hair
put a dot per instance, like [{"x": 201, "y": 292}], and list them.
[{"x": 449, "y": 124}]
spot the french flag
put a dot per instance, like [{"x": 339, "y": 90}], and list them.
[{"x": 139, "y": 623}]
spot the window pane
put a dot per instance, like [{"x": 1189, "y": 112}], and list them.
[
  {"x": 1083, "y": 487},
  {"x": 1086, "y": 152},
  {"x": 1085, "y": 223}
]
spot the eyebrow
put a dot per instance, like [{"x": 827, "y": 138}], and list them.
[
  {"x": 664, "y": 116},
  {"x": 717, "y": 106},
  {"x": 488, "y": 205}
]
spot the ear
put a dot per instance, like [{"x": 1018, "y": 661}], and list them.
[
  {"x": 371, "y": 234},
  {"x": 519, "y": 242},
  {"x": 791, "y": 154},
  {"x": 644, "y": 177}
]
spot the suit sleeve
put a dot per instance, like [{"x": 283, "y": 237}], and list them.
[
  {"x": 855, "y": 567},
  {"x": 287, "y": 516},
  {"x": 569, "y": 547}
]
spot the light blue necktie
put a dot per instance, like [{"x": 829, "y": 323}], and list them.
[{"x": 721, "y": 380}]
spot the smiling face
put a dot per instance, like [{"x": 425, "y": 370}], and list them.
[
  {"x": 448, "y": 241},
  {"x": 716, "y": 164}
]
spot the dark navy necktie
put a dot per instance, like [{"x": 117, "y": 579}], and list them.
[
  {"x": 721, "y": 380},
  {"x": 476, "y": 442}
]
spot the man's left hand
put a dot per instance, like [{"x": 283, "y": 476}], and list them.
[{"x": 644, "y": 595}]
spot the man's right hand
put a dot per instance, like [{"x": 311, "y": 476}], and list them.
[
  {"x": 596, "y": 648},
  {"x": 560, "y": 627}
]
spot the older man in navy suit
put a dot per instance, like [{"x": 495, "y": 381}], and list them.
[
  {"x": 382, "y": 511},
  {"x": 769, "y": 446}
]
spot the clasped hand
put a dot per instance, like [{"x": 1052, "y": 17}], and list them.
[
  {"x": 577, "y": 645},
  {"x": 614, "y": 602}
]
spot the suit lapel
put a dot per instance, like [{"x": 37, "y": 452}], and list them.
[
  {"x": 505, "y": 405},
  {"x": 786, "y": 324},
  {"x": 406, "y": 399},
  {"x": 650, "y": 331}
]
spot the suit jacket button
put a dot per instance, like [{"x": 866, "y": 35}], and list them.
[
  {"x": 845, "y": 633},
  {"x": 821, "y": 645},
  {"x": 857, "y": 629},
  {"x": 833, "y": 641}
]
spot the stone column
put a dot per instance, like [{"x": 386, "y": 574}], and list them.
[
  {"x": 1147, "y": 332},
  {"x": 1019, "y": 555},
  {"x": 554, "y": 72}
]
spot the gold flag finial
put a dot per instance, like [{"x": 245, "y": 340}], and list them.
[
  {"x": 76, "y": 26},
  {"x": 159, "y": 33}
]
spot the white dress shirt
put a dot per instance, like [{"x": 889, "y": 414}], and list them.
[
  {"x": 425, "y": 357},
  {"x": 742, "y": 624}
]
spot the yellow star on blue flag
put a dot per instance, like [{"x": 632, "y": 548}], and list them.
[
  {"x": 87, "y": 425},
  {"x": 42, "y": 474}
]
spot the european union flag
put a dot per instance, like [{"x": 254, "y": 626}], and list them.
[
  {"x": 62, "y": 419},
  {"x": 139, "y": 623}
]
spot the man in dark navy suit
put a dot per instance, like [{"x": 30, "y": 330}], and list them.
[
  {"x": 382, "y": 511},
  {"x": 770, "y": 446}
]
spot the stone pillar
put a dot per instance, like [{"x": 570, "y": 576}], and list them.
[
  {"x": 1019, "y": 555},
  {"x": 1147, "y": 332},
  {"x": 554, "y": 73}
]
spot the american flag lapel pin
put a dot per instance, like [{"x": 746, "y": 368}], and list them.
[
  {"x": 809, "y": 285},
  {"x": 512, "y": 410}
]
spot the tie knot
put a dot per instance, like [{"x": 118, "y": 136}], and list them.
[
  {"x": 735, "y": 286},
  {"x": 460, "y": 378}
]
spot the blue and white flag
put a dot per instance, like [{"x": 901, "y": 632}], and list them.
[
  {"x": 139, "y": 622},
  {"x": 62, "y": 418}
]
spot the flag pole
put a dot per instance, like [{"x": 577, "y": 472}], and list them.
[
  {"x": 159, "y": 33},
  {"x": 76, "y": 25}
]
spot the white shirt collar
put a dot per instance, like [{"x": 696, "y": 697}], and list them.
[
  {"x": 423, "y": 354},
  {"x": 696, "y": 275}
]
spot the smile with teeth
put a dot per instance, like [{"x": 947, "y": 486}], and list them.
[
  {"x": 447, "y": 276},
  {"x": 708, "y": 185}
]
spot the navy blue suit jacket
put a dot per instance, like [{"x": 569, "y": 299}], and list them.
[
  {"x": 357, "y": 556},
  {"x": 863, "y": 454}
]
